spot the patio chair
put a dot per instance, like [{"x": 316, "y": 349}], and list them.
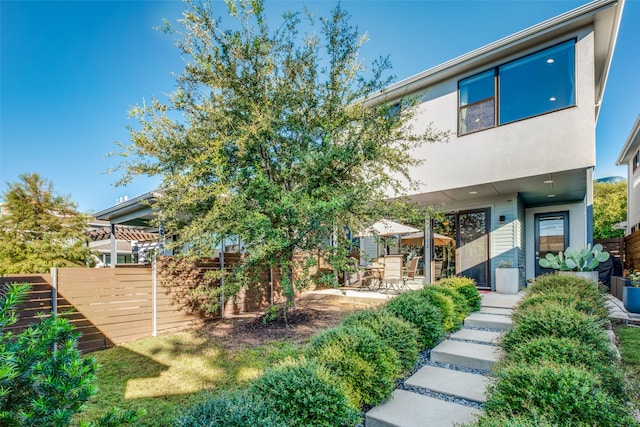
[
  {"x": 392, "y": 273},
  {"x": 411, "y": 272}
]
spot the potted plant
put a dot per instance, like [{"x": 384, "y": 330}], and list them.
[
  {"x": 631, "y": 294},
  {"x": 507, "y": 278},
  {"x": 577, "y": 261}
]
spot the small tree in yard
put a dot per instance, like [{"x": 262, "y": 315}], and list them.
[
  {"x": 272, "y": 136},
  {"x": 41, "y": 230},
  {"x": 609, "y": 208},
  {"x": 44, "y": 380}
]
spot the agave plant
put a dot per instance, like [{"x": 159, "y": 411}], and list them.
[{"x": 580, "y": 259}]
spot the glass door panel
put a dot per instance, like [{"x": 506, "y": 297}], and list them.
[
  {"x": 472, "y": 254},
  {"x": 552, "y": 236}
]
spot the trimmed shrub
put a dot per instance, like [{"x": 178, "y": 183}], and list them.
[
  {"x": 588, "y": 306},
  {"x": 555, "y": 320},
  {"x": 572, "y": 352},
  {"x": 459, "y": 301},
  {"x": 305, "y": 393},
  {"x": 444, "y": 304},
  {"x": 397, "y": 333},
  {"x": 237, "y": 409},
  {"x": 564, "y": 395},
  {"x": 366, "y": 365},
  {"x": 567, "y": 284},
  {"x": 467, "y": 288},
  {"x": 412, "y": 307}
]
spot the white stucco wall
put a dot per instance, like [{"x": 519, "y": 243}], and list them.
[
  {"x": 633, "y": 197},
  {"x": 561, "y": 140}
]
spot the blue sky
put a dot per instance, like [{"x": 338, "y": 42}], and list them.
[{"x": 71, "y": 70}]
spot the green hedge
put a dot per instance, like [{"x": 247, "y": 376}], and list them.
[
  {"x": 305, "y": 393},
  {"x": 346, "y": 368},
  {"x": 444, "y": 304},
  {"x": 559, "y": 367},
  {"x": 412, "y": 307},
  {"x": 360, "y": 360},
  {"x": 467, "y": 288},
  {"x": 397, "y": 333}
]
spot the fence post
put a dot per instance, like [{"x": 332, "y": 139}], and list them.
[
  {"x": 54, "y": 291},
  {"x": 154, "y": 300}
]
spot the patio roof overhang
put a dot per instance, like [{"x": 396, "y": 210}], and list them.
[
  {"x": 136, "y": 211},
  {"x": 540, "y": 190}
]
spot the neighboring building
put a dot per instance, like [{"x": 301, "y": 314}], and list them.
[
  {"x": 630, "y": 156},
  {"x": 516, "y": 176}
]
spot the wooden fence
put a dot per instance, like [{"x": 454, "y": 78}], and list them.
[
  {"x": 632, "y": 250},
  {"x": 111, "y": 306},
  {"x": 615, "y": 246}
]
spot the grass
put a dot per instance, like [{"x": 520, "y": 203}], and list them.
[
  {"x": 630, "y": 351},
  {"x": 164, "y": 374}
]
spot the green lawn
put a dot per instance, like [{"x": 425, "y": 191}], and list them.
[
  {"x": 629, "y": 337},
  {"x": 164, "y": 374}
]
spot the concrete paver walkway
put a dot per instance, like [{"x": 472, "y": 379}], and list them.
[{"x": 435, "y": 395}]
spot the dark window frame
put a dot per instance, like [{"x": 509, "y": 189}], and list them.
[
  {"x": 496, "y": 97},
  {"x": 636, "y": 161}
]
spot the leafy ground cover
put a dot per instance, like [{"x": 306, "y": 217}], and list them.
[{"x": 164, "y": 374}]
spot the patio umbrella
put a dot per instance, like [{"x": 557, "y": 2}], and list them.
[
  {"x": 386, "y": 227},
  {"x": 417, "y": 239}
]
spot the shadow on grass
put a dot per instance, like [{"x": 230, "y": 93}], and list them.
[{"x": 165, "y": 375}]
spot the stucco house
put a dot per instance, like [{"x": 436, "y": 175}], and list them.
[
  {"x": 630, "y": 156},
  {"x": 515, "y": 178}
]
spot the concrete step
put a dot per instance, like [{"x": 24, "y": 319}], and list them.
[
  {"x": 493, "y": 299},
  {"x": 489, "y": 337},
  {"x": 407, "y": 409},
  {"x": 489, "y": 321},
  {"x": 466, "y": 354},
  {"x": 496, "y": 310},
  {"x": 451, "y": 382}
]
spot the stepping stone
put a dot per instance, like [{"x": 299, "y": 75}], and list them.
[
  {"x": 406, "y": 409},
  {"x": 466, "y": 354},
  {"x": 493, "y": 299},
  {"x": 488, "y": 337},
  {"x": 489, "y": 321},
  {"x": 496, "y": 310},
  {"x": 448, "y": 381}
]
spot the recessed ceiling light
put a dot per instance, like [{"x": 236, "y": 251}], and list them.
[
  {"x": 549, "y": 181},
  {"x": 553, "y": 98},
  {"x": 551, "y": 195},
  {"x": 473, "y": 192},
  {"x": 550, "y": 61}
]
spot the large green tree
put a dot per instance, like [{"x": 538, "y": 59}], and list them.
[
  {"x": 40, "y": 229},
  {"x": 272, "y": 135},
  {"x": 609, "y": 208}
]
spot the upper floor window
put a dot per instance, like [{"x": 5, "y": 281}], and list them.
[
  {"x": 636, "y": 161},
  {"x": 535, "y": 84},
  {"x": 477, "y": 102}
]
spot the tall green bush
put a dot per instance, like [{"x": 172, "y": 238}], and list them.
[
  {"x": 397, "y": 333},
  {"x": 466, "y": 287},
  {"x": 357, "y": 357},
  {"x": 417, "y": 310},
  {"x": 43, "y": 378}
]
